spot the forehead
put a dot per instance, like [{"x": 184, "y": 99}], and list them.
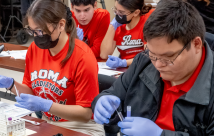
[
  {"x": 32, "y": 24},
  {"x": 82, "y": 7},
  {"x": 120, "y": 7},
  {"x": 160, "y": 45}
]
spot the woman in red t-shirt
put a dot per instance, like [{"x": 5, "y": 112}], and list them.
[
  {"x": 125, "y": 32},
  {"x": 61, "y": 71}
]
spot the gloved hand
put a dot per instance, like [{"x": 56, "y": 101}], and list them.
[
  {"x": 115, "y": 62},
  {"x": 137, "y": 126},
  {"x": 33, "y": 103},
  {"x": 115, "y": 24},
  {"x": 105, "y": 107},
  {"x": 5, "y": 82},
  {"x": 80, "y": 33}
]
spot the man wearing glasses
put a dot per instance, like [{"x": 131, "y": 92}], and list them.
[{"x": 169, "y": 86}]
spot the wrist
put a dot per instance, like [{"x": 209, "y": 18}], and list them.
[
  {"x": 12, "y": 84},
  {"x": 47, "y": 106},
  {"x": 123, "y": 63}
]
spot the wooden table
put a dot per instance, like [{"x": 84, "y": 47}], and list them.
[
  {"x": 19, "y": 65},
  {"x": 45, "y": 129},
  {"x": 10, "y": 63}
]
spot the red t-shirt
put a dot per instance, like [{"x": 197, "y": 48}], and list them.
[
  {"x": 171, "y": 94},
  {"x": 130, "y": 42},
  {"x": 95, "y": 31},
  {"x": 74, "y": 84}
]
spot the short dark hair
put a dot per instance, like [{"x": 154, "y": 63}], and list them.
[
  {"x": 84, "y": 2},
  {"x": 176, "y": 20}
]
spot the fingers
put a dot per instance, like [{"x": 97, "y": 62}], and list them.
[
  {"x": 19, "y": 105},
  {"x": 115, "y": 101},
  {"x": 124, "y": 125},
  {"x": 128, "y": 119},
  {"x": 105, "y": 109},
  {"x": 19, "y": 99},
  {"x": 100, "y": 119},
  {"x": 128, "y": 131}
]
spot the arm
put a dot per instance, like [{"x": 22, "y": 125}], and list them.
[
  {"x": 108, "y": 44},
  {"x": 86, "y": 88},
  {"x": 129, "y": 62},
  {"x": 71, "y": 112},
  {"x": 22, "y": 88}
]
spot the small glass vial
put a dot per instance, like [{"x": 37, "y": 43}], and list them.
[{"x": 10, "y": 122}]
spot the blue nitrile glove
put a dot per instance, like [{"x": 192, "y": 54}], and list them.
[
  {"x": 105, "y": 107},
  {"x": 5, "y": 82},
  {"x": 137, "y": 126},
  {"x": 33, "y": 103},
  {"x": 115, "y": 62},
  {"x": 80, "y": 33},
  {"x": 115, "y": 24}
]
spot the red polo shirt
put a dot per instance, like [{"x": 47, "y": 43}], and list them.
[{"x": 171, "y": 94}]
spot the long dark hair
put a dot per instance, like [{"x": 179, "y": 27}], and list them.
[
  {"x": 133, "y": 5},
  {"x": 52, "y": 11}
]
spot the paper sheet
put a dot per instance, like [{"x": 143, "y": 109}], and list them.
[
  {"x": 103, "y": 65},
  {"x": 109, "y": 72},
  {"x": 16, "y": 54},
  {"x": 14, "y": 111},
  {"x": 30, "y": 132}
]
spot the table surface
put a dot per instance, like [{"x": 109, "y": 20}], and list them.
[
  {"x": 19, "y": 65},
  {"x": 45, "y": 129}
]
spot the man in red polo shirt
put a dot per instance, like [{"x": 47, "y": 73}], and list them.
[
  {"x": 92, "y": 23},
  {"x": 169, "y": 86}
]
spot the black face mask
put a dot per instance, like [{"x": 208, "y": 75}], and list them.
[
  {"x": 45, "y": 42},
  {"x": 122, "y": 20}
]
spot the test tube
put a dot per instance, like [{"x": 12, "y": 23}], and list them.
[
  {"x": 128, "y": 111},
  {"x": 119, "y": 114}
]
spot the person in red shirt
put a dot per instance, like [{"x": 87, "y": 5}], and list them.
[
  {"x": 92, "y": 23},
  {"x": 57, "y": 78},
  {"x": 125, "y": 32},
  {"x": 170, "y": 85}
]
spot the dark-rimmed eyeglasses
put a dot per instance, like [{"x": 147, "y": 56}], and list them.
[
  {"x": 120, "y": 14},
  {"x": 163, "y": 61},
  {"x": 36, "y": 32}
]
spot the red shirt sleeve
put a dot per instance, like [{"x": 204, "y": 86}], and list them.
[
  {"x": 102, "y": 29},
  {"x": 86, "y": 80}
]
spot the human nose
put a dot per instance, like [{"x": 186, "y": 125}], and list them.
[{"x": 159, "y": 63}]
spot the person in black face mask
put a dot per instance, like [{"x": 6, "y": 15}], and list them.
[
  {"x": 125, "y": 32},
  {"x": 60, "y": 78}
]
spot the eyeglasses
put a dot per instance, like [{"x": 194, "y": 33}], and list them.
[
  {"x": 120, "y": 14},
  {"x": 33, "y": 32},
  {"x": 163, "y": 61},
  {"x": 36, "y": 32}
]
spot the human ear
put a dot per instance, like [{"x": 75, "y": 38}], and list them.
[{"x": 197, "y": 44}]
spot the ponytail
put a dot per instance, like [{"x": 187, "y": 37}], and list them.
[
  {"x": 146, "y": 8},
  {"x": 70, "y": 28}
]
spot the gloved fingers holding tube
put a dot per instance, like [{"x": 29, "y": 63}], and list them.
[
  {"x": 33, "y": 103},
  {"x": 105, "y": 108},
  {"x": 137, "y": 126}
]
